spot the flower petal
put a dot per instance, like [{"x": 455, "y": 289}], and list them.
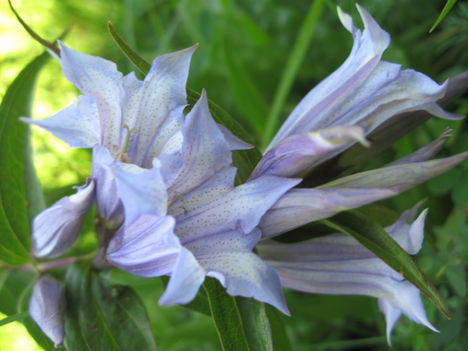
[
  {"x": 299, "y": 152},
  {"x": 234, "y": 142},
  {"x": 142, "y": 191},
  {"x": 228, "y": 257},
  {"x": 186, "y": 279},
  {"x": 56, "y": 228},
  {"x": 163, "y": 92},
  {"x": 364, "y": 91},
  {"x": 205, "y": 151},
  {"x": 47, "y": 308},
  {"x": 145, "y": 247},
  {"x": 427, "y": 152},
  {"x": 100, "y": 79},
  {"x": 399, "y": 177},
  {"x": 314, "y": 109},
  {"x": 301, "y": 206},
  {"x": 242, "y": 208},
  {"x": 338, "y": 264},
  {"x": 108, "y": 201},
  {"x": 78, "y": 124}
]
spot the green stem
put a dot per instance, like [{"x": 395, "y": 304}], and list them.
[
  {"x": 14, "y": 318},
  {"x": 292, "y": 67}
]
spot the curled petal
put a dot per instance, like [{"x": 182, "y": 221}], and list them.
[
  {"x": 56, "y": 228},
  {"x": 78, "y": 124},
  {"x": 108, "y": 201},
  {"x": 408, "y": 231},
  {"x": 427, "y": 152},
  {"x": 301, "y": 206},
  {"x": 301, "y": 151},
  {"x": 142, "y": 191},
  {"x": 320, "y": 103},
  {"x": 47, "y": 308},
  {"x": 234, "y": 142},
  {"x": 186, "y": 278},
  {"x": 145, "y": 247},
  {"x": 399, "y": 177},
  {"x": 364, "y": 91}
]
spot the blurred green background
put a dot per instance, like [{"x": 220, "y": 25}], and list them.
[{"x": 245, "y": 49}]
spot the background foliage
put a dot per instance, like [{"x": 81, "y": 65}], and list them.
[{"x": 265, "y": 55}]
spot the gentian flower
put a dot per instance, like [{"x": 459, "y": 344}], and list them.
[
  {"x": 163, "y": 183},
  {"x": 337, "y": 264},
  {"x": 343, "y": 109},
  {"x": 347, "y": 106},
  {"x": 210, "y": 226},
  {"x": 47, "y": 308}
]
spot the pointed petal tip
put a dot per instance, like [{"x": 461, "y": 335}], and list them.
[{"x": 345, "y": 19}]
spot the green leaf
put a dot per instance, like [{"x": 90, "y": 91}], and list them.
[
  {"x": 245, "y": 161},
  {"x": 12, "y": 286},
  {"x": 278, "y": 329},
  {"x": 291, "y": 69},
  {"x": 256, "y": 324},
  {"x": 247, "y": 96},
  {"x": 457, "y": 278},
  {"x": 376, "y": 239},
  {"x": 16, "y": 171},
  {"x": 103, "y": 316},
  {"x": 226, "y": 317},
  {"x": 139, "y": 62},
  {"x": 448, "y": 6}
]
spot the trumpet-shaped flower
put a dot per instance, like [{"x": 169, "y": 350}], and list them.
[
  {"x": 360, "y": 95},
  {"x": 343, "y": 109},
  {"x": 338, "y": 264},
  {"x": 208, "y": 227},
  {"x": 163, "y": 182}
]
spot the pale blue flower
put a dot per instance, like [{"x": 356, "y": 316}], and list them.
[
  {"x": 337, "y": 264},
  {"x": 209, "y": 226},
  {"x": 47, "y": 308},
  {"x": 164, "y": 184},
  {"x": 360, "y": 95}
]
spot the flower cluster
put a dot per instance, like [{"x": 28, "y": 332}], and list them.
[{"x": 163, "y": 183}]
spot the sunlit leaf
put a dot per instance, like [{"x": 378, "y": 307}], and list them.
[
  {"x": 19, "y": 187},
  {"x": 377, "y": 240},
  {"x": 101, "y": 316}
]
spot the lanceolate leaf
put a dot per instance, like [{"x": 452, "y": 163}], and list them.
[
  {"x": 244, "y": 160},
  {"x": 256, "y": 324},
  {"x": 101, "y": 316},
  {"x": 226, "y": 317},
  {"x": 278, "y": 331},
  {"x": 15, "y": 196},
  {"x": 375, "y": 238},
  {"x": 448, "y": 6}
]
